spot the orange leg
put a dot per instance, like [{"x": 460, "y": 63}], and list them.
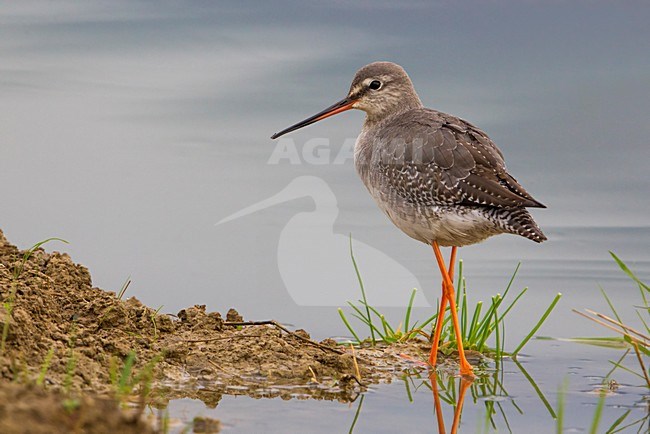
[
  {"x": 465, "y": 367},
  {"x": 441, "y": 312},
  {"x": 436, "y": 402},
  {"x": 464, "y": 385}
]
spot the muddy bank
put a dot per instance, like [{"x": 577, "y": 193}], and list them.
[
  {"x": 72, "y": 337},
  {"x": 56, "y": 308},
  {"x": 31, "y": 409}
]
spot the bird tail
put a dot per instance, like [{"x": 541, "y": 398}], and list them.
[{"x": 519, "y": 221}]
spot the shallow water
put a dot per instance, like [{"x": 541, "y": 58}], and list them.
[
  {"x": 517, "y": 397},
  {"x": 131, "y": 130},
  {"x": 392, "y": 408}
]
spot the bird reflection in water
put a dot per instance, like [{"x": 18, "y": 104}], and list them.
[{"x": 465, "y": 383}]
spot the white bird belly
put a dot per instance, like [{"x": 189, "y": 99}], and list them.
[{"x": 448, "y": 225}]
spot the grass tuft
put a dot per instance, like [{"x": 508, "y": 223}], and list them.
[
  {"x": 478, "y": 326},
  {"x": 635, "y": 338},
  {"x": 126, "y": 381},
  {"x": 45, "y": 366}
]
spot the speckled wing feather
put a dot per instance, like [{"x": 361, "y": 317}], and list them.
[{"x": 431, "y": 158}]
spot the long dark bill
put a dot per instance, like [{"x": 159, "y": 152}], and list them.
[{"x": 341, "y": 106}]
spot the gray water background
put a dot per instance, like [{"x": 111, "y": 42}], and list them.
[{"x": 131, "y": 128}]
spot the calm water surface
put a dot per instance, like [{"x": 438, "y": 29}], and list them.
[
  {"x": 389, "y": 409},
  {"x": 131, "y": 129}
]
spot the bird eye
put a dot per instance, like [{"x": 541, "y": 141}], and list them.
[{"x": 375, "y": 84}]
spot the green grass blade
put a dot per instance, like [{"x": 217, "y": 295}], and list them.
[
  {"x": 611, "y": 305},
  {"x": 511, "y": 305},
  {"x": 39, "y": 244},
  {"x": 645, "y": 324},
  {"x": 124, "y": 287},
  {"x": 363, "y": 291},
  {"x": 372, "y": 326},
  {"x": 123, "y": 383},
  {"x": 617, "y": 363},
  {"x": 69, "y": 368},
  {"x": 362, "y": 316},
  {"x": 629, "y": 272},
  {"x": 597, "y": 414},
  {"x": 30, "y": 251},
  {"x": 408, "y": 389},
  {"x": 485, "y": 326},
  {"x": 356, "y": 415},
  {"x": 617, "y": 422},
  {"x": 505, "y": 418},
  {"x": 388, "y": 331},
  {"x": 512, "y": 279},
  {"x": 428, "y": 320},
  {"x": 535, "y": 387},
  {"x": 408, "y": 311},
  {"x": 561, "y": 405},
  {"x": 475, "y": 319},
  {"x": 381, "y": 318},
  {"x": 45, "y": 366},
  {"x": 347, "y": 324},
  {"x": 538, "y": 325},
  {"x": 497, "y": 335},
  {"x": 605, "y": 342},
  {"x": 464, "y": 314},
  {"x": 639, "y": 422}
]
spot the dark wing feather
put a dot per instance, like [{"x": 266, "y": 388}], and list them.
[{"x": 430, "y": 158}]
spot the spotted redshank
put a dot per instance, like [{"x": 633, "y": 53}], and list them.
[{"x": 438, "y": 178}]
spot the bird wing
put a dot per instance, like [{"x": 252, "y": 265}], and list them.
[{"x": 431, "y": 158}]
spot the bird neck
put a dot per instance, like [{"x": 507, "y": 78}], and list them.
[{"x": 405, "y": 104}]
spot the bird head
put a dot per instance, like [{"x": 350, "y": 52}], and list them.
[{"x": 380, "y": 89}]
